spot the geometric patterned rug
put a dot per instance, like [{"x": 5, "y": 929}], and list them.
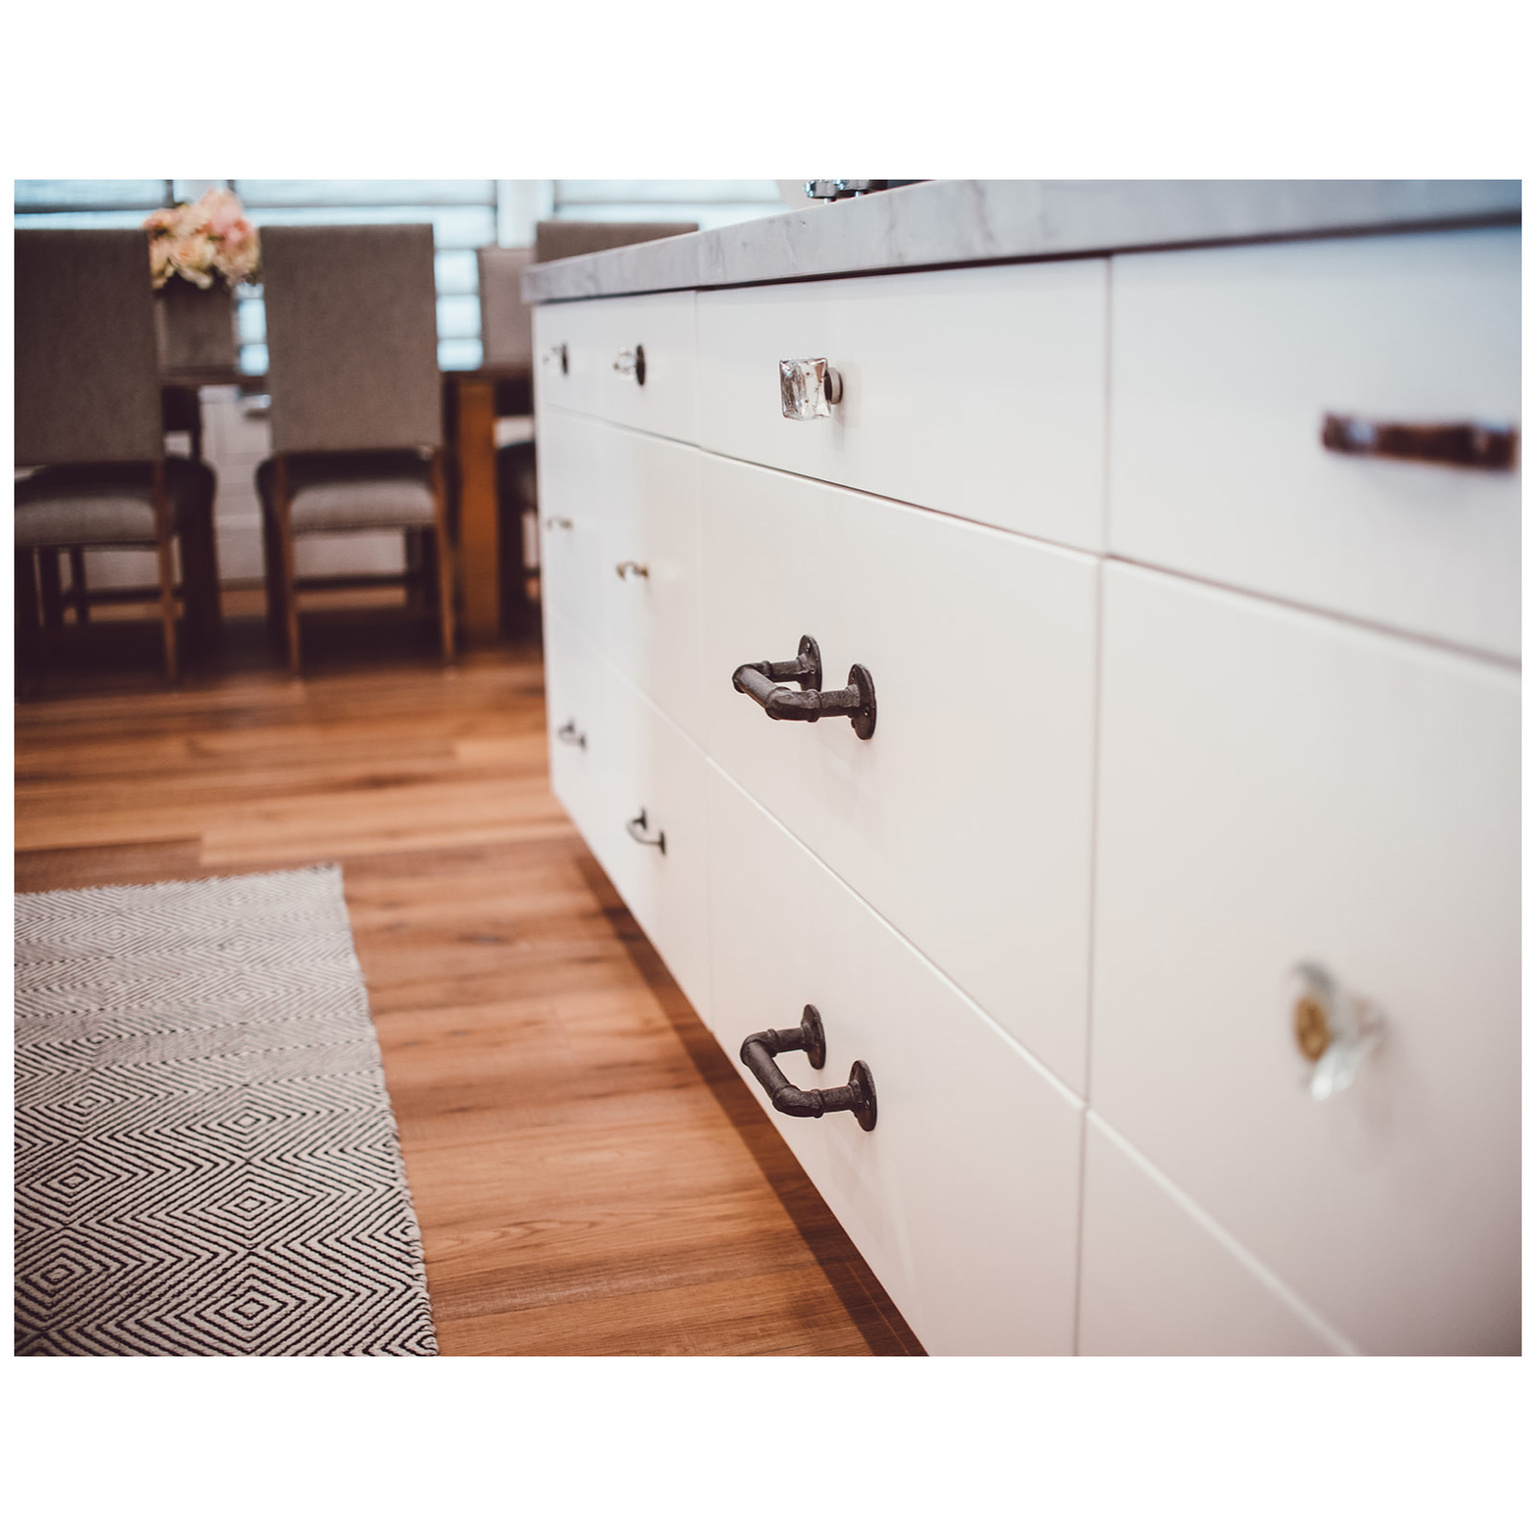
[{"x": 206, "y": 1158}]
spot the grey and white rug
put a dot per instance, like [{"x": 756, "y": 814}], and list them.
[{"x": 206, "y": 1158}]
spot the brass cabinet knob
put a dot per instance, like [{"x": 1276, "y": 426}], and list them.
[{"x": 1335, "y": 1030}]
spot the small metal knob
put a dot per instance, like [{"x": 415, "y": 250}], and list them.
[
  {"x": 631, "y": 363},
  {"x": 639, "y": 829},
  {"x": 628, "y": 568},
  {"x": 1335, "y": 1030},
  {"x": 808, "y": 388}
]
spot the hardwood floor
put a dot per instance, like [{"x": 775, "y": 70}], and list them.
[{"x": 590, "y": 1175}]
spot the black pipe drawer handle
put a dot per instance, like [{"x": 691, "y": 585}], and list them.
[
  {"x": 763, "y": 682},
  {"x": 857, "y": 1095},
  {"x": 569, "y": 733},
  {"x": 638, "y": 828},
  {"x": 1466, "y": 444}
]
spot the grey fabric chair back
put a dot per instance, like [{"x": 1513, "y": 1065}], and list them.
[
  {"x": 87, "y": 367},
  {"x": 506, "y": 323},
  {"x": 351, "y": 337},
  {"x": 555, "y": 239}
]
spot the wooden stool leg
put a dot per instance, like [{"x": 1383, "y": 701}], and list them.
[
  {"x": 200, "y": 578},
  {"x": 29, "y": 633},
  {"x": 163, "y": 536},
  {"x": 51, "y": 588},
  {"x": 444, "y": 558},
  {"x": 77, "y": 586},
  {"x": 415, "y": 571},
  {"x": 284, "y": 519},
  {"x": 272, "y": 577}
]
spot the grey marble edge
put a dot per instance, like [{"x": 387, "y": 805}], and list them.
[{"x": 953, "y": 223}]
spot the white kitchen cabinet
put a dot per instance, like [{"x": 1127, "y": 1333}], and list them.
[
  {"x": 629, "y": 360},
  {"x": 650, "y": 570},
  {"x": 1275, "y": 789},
  {"x": 1170, "y": 700},
  {"x": 976, "y": 392},
  {"x": 621, "y": 552},
  {"x": 1159, "y": 1279},
  {"x": 1224, "y": 364},
  {"x": 578, "y": 721},
  {"x": 653, "y": 837},
  {"x": 963, "y": 1198},
  {"x": 574, "y": 539},
  {"x": 966, "y": 818}
]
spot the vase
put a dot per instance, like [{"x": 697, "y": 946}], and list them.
[{"x": 195, "y": 326}]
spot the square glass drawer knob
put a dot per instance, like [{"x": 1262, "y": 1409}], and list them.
[{"x": 808, "y": 387}]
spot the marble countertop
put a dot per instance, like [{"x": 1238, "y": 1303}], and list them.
[{"x": 950, "y": 223}]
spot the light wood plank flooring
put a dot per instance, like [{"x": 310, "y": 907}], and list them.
[{"x": 590, "y": 1175}]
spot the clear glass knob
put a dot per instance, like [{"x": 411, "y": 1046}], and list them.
[
  {"x": 1335, "y": 1029},
  {"x": 808, "y": 388}
]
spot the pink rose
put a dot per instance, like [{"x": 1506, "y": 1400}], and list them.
[
  {"x": 159, "y": 262},
  {"x": 192, "y": 256},
  {"x": 239, "y": 251},
  {"x": 220, "y": 210}
]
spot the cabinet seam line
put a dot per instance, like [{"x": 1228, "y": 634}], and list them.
[{"x": 1216, "y": 1231}]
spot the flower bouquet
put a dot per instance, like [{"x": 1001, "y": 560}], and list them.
[{"x": 201, "y": 240}]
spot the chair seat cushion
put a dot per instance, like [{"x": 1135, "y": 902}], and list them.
[
  {"x": 106, "y": 505},
  {"x": 335, "y": 493},
  {"x": 363, "y": 504}
]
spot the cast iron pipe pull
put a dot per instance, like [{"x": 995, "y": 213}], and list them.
[
  {"x": 857, "y": 1095},
  {"x": 640, "y": 829},
  {"x": 764, "y": 683}
]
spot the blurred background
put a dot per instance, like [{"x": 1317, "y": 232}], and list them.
[
  {"x": 214, "y": 366},
  {"x": 465, "y": 216}
]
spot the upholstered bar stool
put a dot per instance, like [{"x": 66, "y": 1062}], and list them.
[
  {"x": 88, "y": 423},
  {"x": 357, "y": 427}
]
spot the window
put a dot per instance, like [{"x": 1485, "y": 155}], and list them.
[
  {"x": 464, "y": 215},
  {"x": 709, "y": 204}
]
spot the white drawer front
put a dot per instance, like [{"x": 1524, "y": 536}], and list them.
[
  {"x": 1157, "y": 1280},
  {"x": 1278, "y": 788},
  {"x": 963, "y": 1198},
  {"x": 578, "y": 722},
  {"x": 587, "y": 354},
  {"x": 573, "y": 536},
  {"x": 978, "y": 392},
  {"x": 965, "y": 819},
  {"x": 1224, "y": 363},
  {"x": 654, "y": 770},
  {"x": 650, "y": 573}
]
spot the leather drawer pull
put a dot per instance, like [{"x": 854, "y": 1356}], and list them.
[
  {"x": 856, "y": 1096},
  {"x": 1467, "y": 444},
  {"x": 763, "y": 682}
]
